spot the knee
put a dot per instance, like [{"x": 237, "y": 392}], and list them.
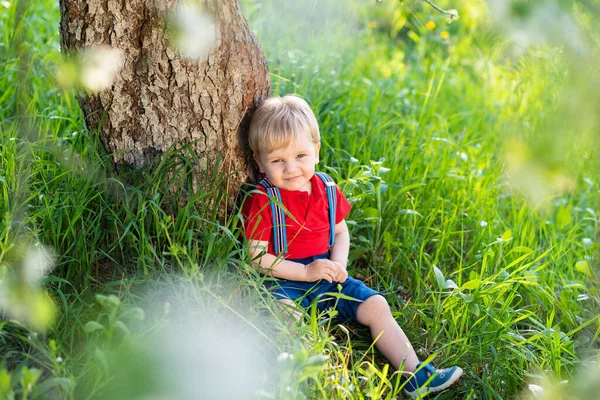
[
  {"x": 374, "y": 308},
  {"x": 378, "y": 303}
]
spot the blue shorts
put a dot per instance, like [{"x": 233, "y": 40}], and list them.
[{"x": 323, "y": 292}]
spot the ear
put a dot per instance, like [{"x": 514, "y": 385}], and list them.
[
  {"x": 317, "y": 148},
  {"x": 260, "y": 166}
]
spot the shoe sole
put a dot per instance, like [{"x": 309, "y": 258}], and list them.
[{"x": 426, "y": 390}]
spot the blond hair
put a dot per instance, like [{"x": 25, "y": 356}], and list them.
[{"x": 279, "y": 119}]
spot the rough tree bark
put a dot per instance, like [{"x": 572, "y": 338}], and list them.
[{"x": 160, "y": 99}]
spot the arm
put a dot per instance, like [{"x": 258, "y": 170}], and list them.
[
  {"x": 339, "y": 251},
  {"x": 268, "y": 264},
  {"x": 278, "y": 267}
]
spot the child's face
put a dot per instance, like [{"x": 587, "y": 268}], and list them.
[{"x": 291, "y": 167}]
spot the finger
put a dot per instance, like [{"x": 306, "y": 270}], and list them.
[
  {"x": 333, "y": 276},
  {"x": 332, "y": 273}
]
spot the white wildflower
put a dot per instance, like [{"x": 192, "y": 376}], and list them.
[
  {"x": 100, "y": 66},
  {"x": 536, "y": 390},
  {"x": 196, "y": 31},
  {"x": 37, "y": 263}
]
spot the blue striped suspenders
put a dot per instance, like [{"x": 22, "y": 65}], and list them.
[
  {"x": 332, "y": 201},
  {"x": 280, "y": 239},
  {"x": 279, "y": 234}
]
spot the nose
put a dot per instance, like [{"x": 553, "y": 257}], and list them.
[{"x": 290, "y": 166}]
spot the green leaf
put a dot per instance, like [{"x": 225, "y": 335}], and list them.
[
  {"x": 92, "y": 326},
  {"x": 101, "y": 357},
  {"x": 471, "y": 285},
  {"x": 450, "y": 284},
  {"x": 134, "y": 313},
  {"x": 507, "y": 235},
  {"x": 371, "y": 212},
  {"x": 439, "y": 277},
  {"x": 387, "y": 237},
  {"x": 474, "y": 308},
  {"x": 468, "y": 298},
  {"x": 316, "y": 360},
  {"x": 584, "y": 267},
  {"x": 563, "y": 217},
  {"x": 123, "y": 328},
  {"x": 409, "y": 212},
  {"x": 413, "y": 36},
  {"x": 65, "y": 383},
  {"x": 29, "y": 377},
  {"x": 520, "y": 249},
  {"x": 110, "y": 302},
  {"x": 4, "y": 383}
]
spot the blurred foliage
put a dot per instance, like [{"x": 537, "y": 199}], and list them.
[
  {"x": 22, "y": 266},
  {"x": 436, "y": 131}
]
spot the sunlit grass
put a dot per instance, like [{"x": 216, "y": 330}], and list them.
[{"x": 417, "y": 129}]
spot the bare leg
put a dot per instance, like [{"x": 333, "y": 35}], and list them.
[
  {"x": 393, "y": 343},
  {"x": 290, "y": 310}
]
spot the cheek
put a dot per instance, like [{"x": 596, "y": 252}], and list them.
[{"x": 274, "y": 169}]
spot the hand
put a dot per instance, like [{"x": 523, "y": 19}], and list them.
[
  {"x": 320, "y": 269},
  {"x": 341, "y": 274}
]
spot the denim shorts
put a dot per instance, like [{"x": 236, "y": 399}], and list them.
[{"x": 322, "y": 293}]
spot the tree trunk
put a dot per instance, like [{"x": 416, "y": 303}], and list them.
[{"x": 160, "y": 99}]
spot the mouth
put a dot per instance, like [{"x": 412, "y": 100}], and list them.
[{"x": 292, "y": 179}]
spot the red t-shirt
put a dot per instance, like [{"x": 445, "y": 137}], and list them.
[{"x": 308, "y": 232}]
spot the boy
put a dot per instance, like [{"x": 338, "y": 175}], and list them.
[{"x": 298, "y": 235}]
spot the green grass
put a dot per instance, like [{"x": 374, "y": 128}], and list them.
[{"x": 436, "y": 142}]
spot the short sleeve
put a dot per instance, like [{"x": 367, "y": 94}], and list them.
[
  {"x": 257, "y": 216},
  {"x": 343, "y": 207}
]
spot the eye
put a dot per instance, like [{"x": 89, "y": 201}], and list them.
[
  {"x": 301, "y": 155},
  {"x": 276, "y": 161}
]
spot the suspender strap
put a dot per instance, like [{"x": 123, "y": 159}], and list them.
[
  {"x": 279, "y": 231},
  {"x": 332, "y": 201},
  {"x": 279, "y": 235}
]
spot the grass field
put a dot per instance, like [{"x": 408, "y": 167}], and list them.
[{"x": 472, "y": 168}]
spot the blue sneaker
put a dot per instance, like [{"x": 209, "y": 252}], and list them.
[{"x": 428, "y": 379}]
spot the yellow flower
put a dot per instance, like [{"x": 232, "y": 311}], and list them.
[
  {"x": 373, "y": 25},
  {"x": 444, "y": 34},
  {"x": 430, "y": 25}
]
